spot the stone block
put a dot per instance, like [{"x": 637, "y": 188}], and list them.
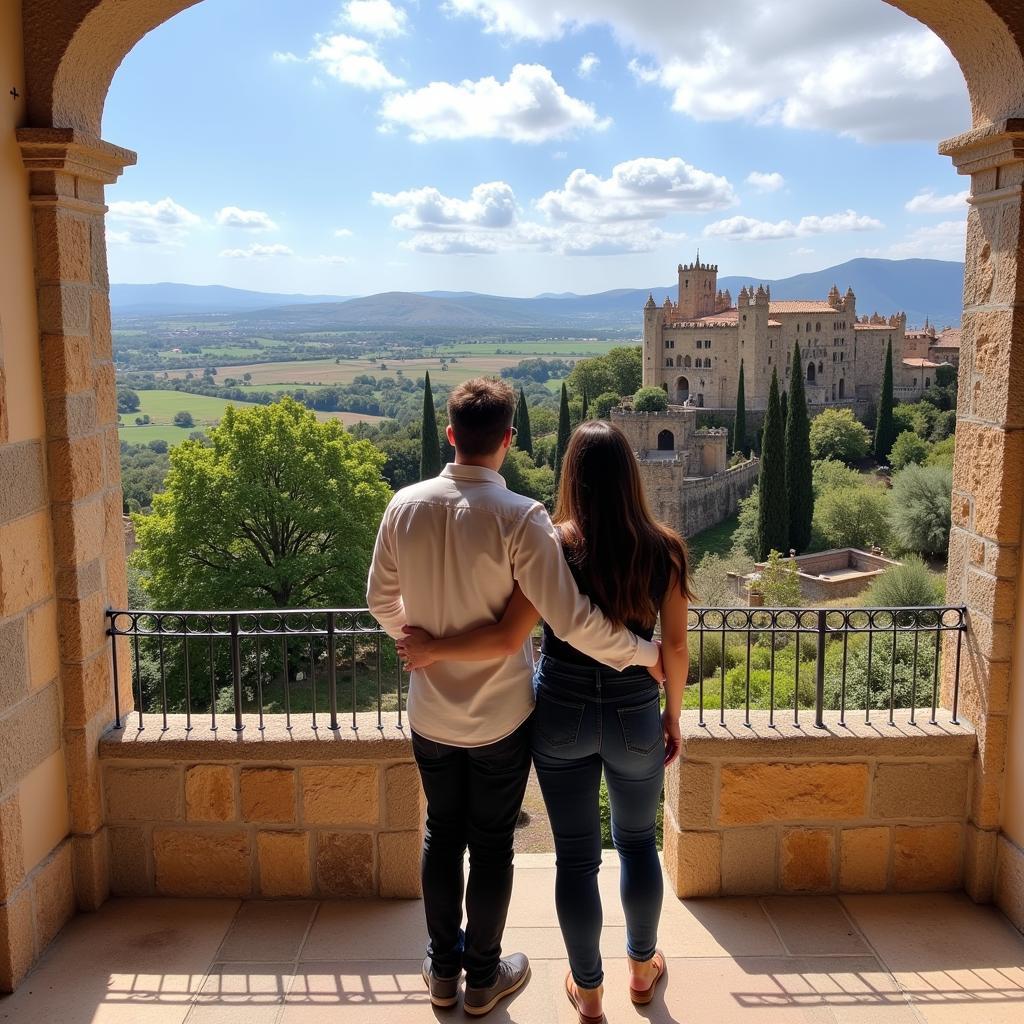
[
  {"x": 142, "y": 794},
  {"x": 76, "y": 467},
  {"x": 693, "y": 793},
  {"x": 341, "y": 794},
  {"x": 63, "y": 246},
  {"x": 927, "y": 858},
  {"x": 53, "y": 893},
  {"x": 43, "y": 654},
  {"x": 398, "y": 857},
  {"x": 807, "y": 858},
  {"x": 71, "y": 416},
  {"x": 403, "y": 796},
  {"x": 99, "y": 322},
  {"x": 88, "y": 689},
  {"x": 129, "y": 861},
  {"x": 749, "y": 861},
  {"x": 26, "y": 565},
  {"x": 210, "y": 793},
  {"x": 1009, "y": 881},
  {"x": 922, "y": 790},
  {"x": 82, "y": 628},
  {"x": 67, "y": 363},
  {"x": 29, "y": 734},
  {"x": 12, "y": 866},
  {"x": 202, "y": 862},
  {"x": 13, "y": 662},
  {"x": 864, "y": 859},
  {"x": 106, "y": 393},
  {"x": 90, "y": 857},
  {"x": 787, "y": 791},
  {"x": 344, "y": 864},
  {"x": 693, "y": 861},
  {"x": 284, "y": 863},
  {"x": 22, "y": 487},
  {"x": 78, "y": 530},
  {"x": 64, "y": 308},
  {"x": 980, "y": 863},
  {"x": 17, "y": 948},
  {"x": 85, "y": 784},
  {"x": 994, "y": 476},
  {"x": 268, "y": 795}
]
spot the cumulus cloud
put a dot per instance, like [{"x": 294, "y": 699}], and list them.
[
  {"x": 588, "y": 64},
  {"x": 763, "y": 230},
  {"x": 377, "y": 17},
  {"x": 257, "y": 251},
  {"x": 342, "y": 232},
  {"x": 529, "y": 107},
  {"x": 490, "y": 205},
  {"x": 926, "y": 201},
  {"x": 944, "y": 241},
  {"x": 140, "y": 222},
  {"x": 333, "y": 259},
  {"x": 646, "y": 188},
  {"x": 766, "y": 181},
  {"x": 852, "y": 67},
  {"x": 249, "y": 220},
  {"x": 349, "y": 60}
]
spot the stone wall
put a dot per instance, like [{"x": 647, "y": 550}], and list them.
[
  {"x": 860, "y": 808},
  {"x": 692, "y": 505},
  {"x": 282, "y": 813}
]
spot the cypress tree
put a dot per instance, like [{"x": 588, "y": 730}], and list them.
[
  {"x": 739, "y": 429},
  {"x": 799, "y": 485},
  {"x": 885, "y": 426},
  {"x": 430, "y": 445},
  {"x": 784, "y": 403},
  {"x": 563, "y": 434},
  {"x": 772, "y": 506},
  {"x": 524, "y": 439},
  {"x": 586, "y": 406}
]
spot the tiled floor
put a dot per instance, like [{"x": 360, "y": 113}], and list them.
[{"x": 927, "y": 959}]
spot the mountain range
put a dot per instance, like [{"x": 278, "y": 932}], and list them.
[{"x": 921, "y": 288}]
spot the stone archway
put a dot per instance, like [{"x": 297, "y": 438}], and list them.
[
  {"x": 666, "y": 441},
  {"x": 681, "y": 391}
]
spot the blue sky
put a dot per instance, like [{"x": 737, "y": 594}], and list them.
[{"x": 511, "y": 147}]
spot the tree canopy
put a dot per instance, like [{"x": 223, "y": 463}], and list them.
[
  {"x": 277, "y": 510},
  {"x": 650, "y": 400},
  {"x": 739, "y": 428},
  {"x": 799, "y": 485},
  {"x": 524, "y": 437},
  {"x": 564, "y": 429},
  {"x": 619, "y": 370},
  {"x": 885, "y": 428},
  {"x": 773, "y": 506},
  {"x": 430, "y": 446},
  {"x": 837, "y": 434}
]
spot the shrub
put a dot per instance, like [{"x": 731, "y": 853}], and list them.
[
  {"x": 854, "y": 517},
  {"x": 944, "y": 425},
  {"x": 873, "y": 691},
  {"x": 942, "y": 453},
  {"x": 836, "y": 434},
  {"x": 650, "y": 400},
  {"x": 921, "y": 508},
  {"x": 778, "y": 582},
  {"x": 744, "y": 538},
  {"x": 909, "y": 585},
  {"x": 711, "y": 583},
  {"x": 604, "y": 403},
  {"x": 909, "y": 449},
  {"x": 184, "y": 419},
  {"x": 830, "y": 475}
]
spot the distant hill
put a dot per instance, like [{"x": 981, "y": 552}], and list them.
[
  {"x": 171, "y": 299},
  {"x": 921, "y": 288}
]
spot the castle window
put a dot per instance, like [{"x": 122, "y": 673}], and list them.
[
  {"x": 817, "y": 326},
  {"x": 668, "y": 362},
  {"x": 810, "y": 373},
  {"x": 842, "y": 388},
  {"x": 821, "y": 367},
  {"x": 808, "y": 326},
  {"x": 687, "y": 362},
  {"x": 698, "y": 343}
]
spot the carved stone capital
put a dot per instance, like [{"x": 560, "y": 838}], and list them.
[{"x": 986, "y": 148}]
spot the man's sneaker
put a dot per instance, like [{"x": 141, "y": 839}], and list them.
[
  {"x": 443, "y": 991},
  {"x": 512, "y": 974}
]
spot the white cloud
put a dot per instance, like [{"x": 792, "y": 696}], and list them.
[
  {"x": 343, "y": 232},
  {"x": 763, "y": 230},
  {"x": 257, "y": 251},
  {"x": 926, "y": 201},
  {"x": 945, "y": 241},
  {"x": 646, "y": 188},
  {"x": 349, "y": 60},
  {"x": 139, "y": 222},
  {"x": 588, "y": 64},
  {"x": 250, "y": 220},
  {"x": 378, "y": 17},
  {"x": 490, "y": 205},
  {"x": 334, "y": 259},
  {"x": 852, "y": 67},
  {"x": 529, "y": 107},
  {"x": 766, "y": 181},
  {"x": 802, "y": 251}
]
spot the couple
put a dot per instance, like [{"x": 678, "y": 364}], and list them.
[{"x": 462, "y": 570}]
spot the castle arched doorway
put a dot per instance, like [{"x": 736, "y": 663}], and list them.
[
  {"x": 666, "y": 441},
  {"x": 682, "y": 391}
]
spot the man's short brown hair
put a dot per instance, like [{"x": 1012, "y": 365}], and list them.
[{"x": 480, "y": 411}]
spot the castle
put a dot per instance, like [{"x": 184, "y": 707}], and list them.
[{"x": 693, "y": 347}]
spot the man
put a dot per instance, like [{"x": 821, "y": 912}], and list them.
[{"x": 449, "y": 553}]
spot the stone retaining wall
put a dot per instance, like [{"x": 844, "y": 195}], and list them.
[
  {"x": 859, "y": 808},
  {"x": 278, "y": 813}
]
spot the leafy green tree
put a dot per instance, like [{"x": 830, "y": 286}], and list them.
[
  {"x": 910, "y": 585},
  {"x": 799, "y": 478},
  {"x": 524, "y": 438},
  {"x": 523, "y": 477},
  {"x": 184, "y": 419},
  {"x": 430, "y": 447},
  {"x": 744, "y": 538},
  {"x": 619, "y": 370},
  {"x": 650, "y": 400},
  {"x": 829, "y": 475},
  {"x": 921, "y": 512},
  {"x": 604, "y": 403},
  {"x": 836, "y": 434},
  {"x": 402, "y": 465},
  {"x": 773, "y": 505},
  {"x": 585, "y": 412},
  {"x": 127, "y": 400},
  {"x": 563, "y": 434},
  {"x": 885, "y": 429},
  {"x": 909, "y": 449},
  {"x": 779, "y": 583},
  {"x": 942, "y": 453},
  {"x": 277, "y": 511},
  {"x": 739, "y": 432},
  {"x": 854, "y": 517}
]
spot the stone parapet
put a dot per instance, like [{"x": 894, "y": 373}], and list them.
[
  {"x": 276, "y": 812},
  {"x": 789, "y": 808}
]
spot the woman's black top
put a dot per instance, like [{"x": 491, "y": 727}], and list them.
[{"x": 554, "y": 647}]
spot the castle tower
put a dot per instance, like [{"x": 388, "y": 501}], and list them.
[
  {"x": 698, "y": 286},
  {"x": 652, "y": 375}
]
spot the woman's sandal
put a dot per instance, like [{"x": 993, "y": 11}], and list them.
[
  {"x": 569, "y": 991},
  {"x": 643, "y": 997}
]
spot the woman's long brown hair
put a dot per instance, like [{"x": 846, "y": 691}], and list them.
[{"x": 607, "y": 527}]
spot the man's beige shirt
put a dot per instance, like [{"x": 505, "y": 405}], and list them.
[{"x": 448, "y": 554}]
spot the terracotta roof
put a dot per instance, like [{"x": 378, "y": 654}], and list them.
[
  {"x": 873, "y": 327},
  {"x": 800, "y": 306},
  {"x": 949, "y": 338},
  {"x": 923, "y": 363}
]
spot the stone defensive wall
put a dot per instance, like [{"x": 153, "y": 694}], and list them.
[
  {"x": 854, "y": 809},
  {"x": 692, "y": 505},
  {"x": 279, "y": 813}
]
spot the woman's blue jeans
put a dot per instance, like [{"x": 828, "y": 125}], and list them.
[{"x": 588, "y": 720}]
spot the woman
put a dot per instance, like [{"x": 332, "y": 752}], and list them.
[{"x": 590, "y": 718}]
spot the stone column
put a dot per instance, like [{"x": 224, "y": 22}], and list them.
[
  {"x": 988, "y": 474},
  {"x": 67, "y": 173}
]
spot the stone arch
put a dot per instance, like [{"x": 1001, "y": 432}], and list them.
[
  {"x": 810, "y": 373},
  {"x": 842, "y": 387},
  {"x": 666, "y": 441},
  {"x": 687, "y": 362},
  {"x": 682, "y": 390}
]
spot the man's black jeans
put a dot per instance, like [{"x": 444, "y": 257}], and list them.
[{"x": 473, "y": 799}]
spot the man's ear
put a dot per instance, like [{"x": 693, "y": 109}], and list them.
[{"x": 450, "y": 434}]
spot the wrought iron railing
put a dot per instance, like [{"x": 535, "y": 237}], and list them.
[{"x": 336, "y": 665}]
